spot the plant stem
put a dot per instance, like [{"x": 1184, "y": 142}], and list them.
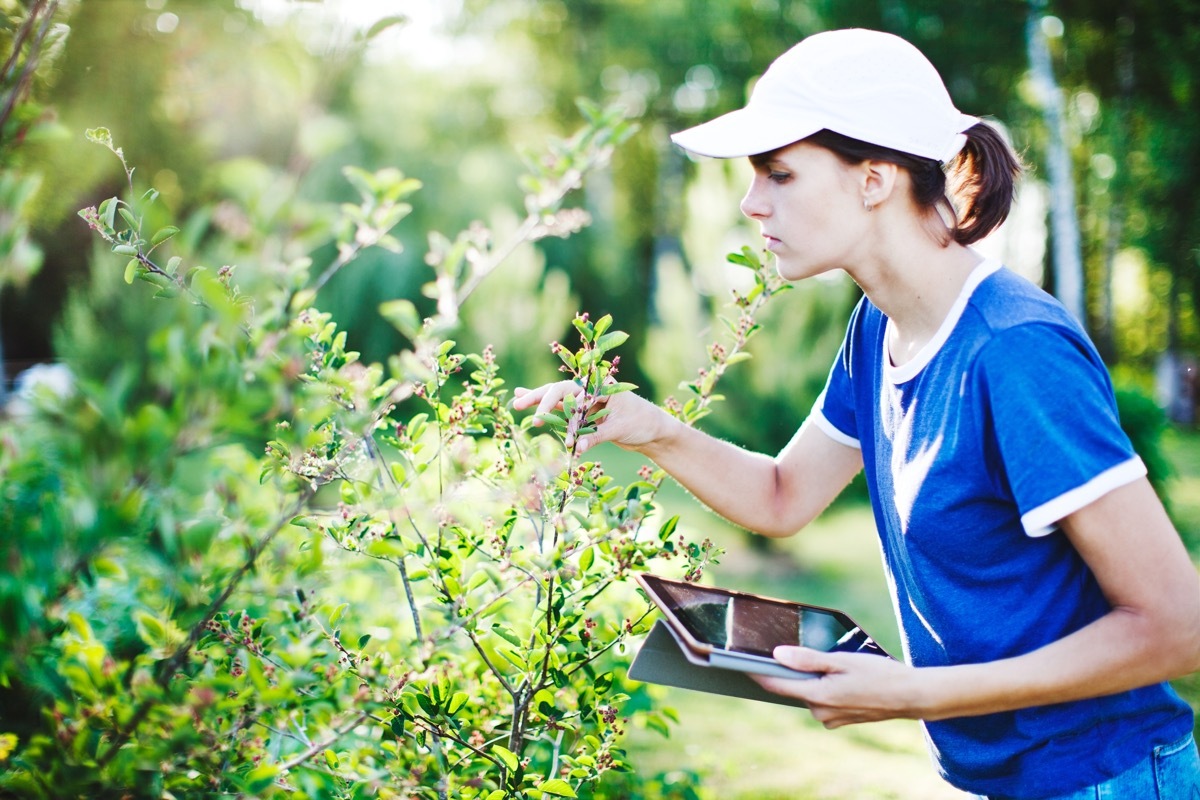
[{"x": 324, "y": 744}]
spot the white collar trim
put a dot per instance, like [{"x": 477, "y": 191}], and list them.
[{"x": 910, "y": 369}]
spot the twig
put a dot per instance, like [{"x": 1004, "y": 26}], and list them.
[
  {"x": 324, "y": 744},
  {"x": 31, "y": 61}
]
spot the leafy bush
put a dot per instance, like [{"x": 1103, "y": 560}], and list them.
[
  {"x": 243, "y": 563},
  {"x": 1145, "y": 423}
]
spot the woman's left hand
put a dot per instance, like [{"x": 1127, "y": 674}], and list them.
[{"x": 852, "y": 687}]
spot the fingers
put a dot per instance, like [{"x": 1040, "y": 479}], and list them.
[
  {"x": 849, "y": 688},
  {"x": 547, "y": 397},
  {"x": 804, "y": 659}
]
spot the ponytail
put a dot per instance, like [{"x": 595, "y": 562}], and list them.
[
  {"x": 982, "y": 179},
  {"x": 973, "y": 192}
]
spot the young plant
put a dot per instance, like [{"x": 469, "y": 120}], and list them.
[{"x": 269, "y": 569}]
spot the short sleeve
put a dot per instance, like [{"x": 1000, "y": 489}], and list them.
[
  {"x": 834, "y": 410},
  {"x": 1053, "y": 418}
]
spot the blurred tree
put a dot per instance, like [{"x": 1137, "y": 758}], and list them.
[
  {"x": 1131, "y": 68},
  {"x": 1064, "y": 222},
  {"x": 32, "y": 33},
  {"x": 257, "y": 102},
  {"x": 679, "y": 64}
]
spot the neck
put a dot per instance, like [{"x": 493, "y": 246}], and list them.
[{"x": 914, "y": 283}]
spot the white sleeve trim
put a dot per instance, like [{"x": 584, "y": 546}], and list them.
[
  {"x": 1044, "y": 519},
  {"x": 828, "y": 428}
]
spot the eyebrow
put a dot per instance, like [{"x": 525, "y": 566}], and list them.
[{"x": 763, "y": 159}]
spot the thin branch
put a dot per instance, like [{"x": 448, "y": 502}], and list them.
[
  {"x": 491, "y": 667},
  {"x": 172, "y": 664},
  {"x": 386, "y": 474},
  {"x": 30, "y": 61},
  {"x": 19, "y": 40},
  {"x": 324, "y": 744},
  {"x": 604, "y": 649},
  {"x": 479, "y": 612}
]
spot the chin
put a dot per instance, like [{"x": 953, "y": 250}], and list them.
[{"x": 795, "y": 270}]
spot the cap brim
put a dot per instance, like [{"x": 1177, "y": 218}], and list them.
[{"x": 744, "y": 132}]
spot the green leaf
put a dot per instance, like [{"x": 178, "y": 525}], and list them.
[
  {"x": 150, "y": 629},
  {"x": 127, "y": 215},
  {"x": 125, "y": 249},
  {"x": 108, "y": 212},
  {"x": 163, "y": 234},
  {"x": 612, "y": 340},
  {"x": 100, "y": 136},
  {"x": 603, "y": 324},
  {"x": 553, "y": 420},
  {"x": 587, "y": 331},
  {"x": 558, "y": 788},
  {"x": 331, "y": 759},
  {"x": 383, "y": 24},
  {"x": 260, "y": 778},
  {"x": 617, "y": 388},
  {"x": 131, "y": 270},
  {"x": 456, "y": 702},
  {"x": 388, "y": 547},
  {"x": 403, "y": 316},
  {"x": 543, "y": 701},
  {"x": 107, "y": 568},
  {"x": 746, "y": 258},
  {"x": 506, "y": 634},
  {"x": 668, "y": 528},
  {"x": 511, "y": 655},
  {"x": 507, "y": 756},
  {"x": 477, "y": 580},
  {"x": 79, "y": 626}
]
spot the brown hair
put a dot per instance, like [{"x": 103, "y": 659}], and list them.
[{"x": 975, "y": 189}]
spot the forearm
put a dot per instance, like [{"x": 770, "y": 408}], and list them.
[
  {"x": 771, "y": 496},
  {"x": 740, "y": 485},
  {"x": 1123, "y": 650}
]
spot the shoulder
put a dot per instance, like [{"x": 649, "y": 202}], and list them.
[
  {"x": 1006, "y": 300},
  {"x": 1018, "y": 324}
]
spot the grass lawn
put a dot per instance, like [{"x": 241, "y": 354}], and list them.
[{"x": 755, "y": 750}]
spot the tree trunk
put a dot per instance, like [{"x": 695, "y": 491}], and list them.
[
  {"x": 1105, "y": 333},
  {"x": 1067, "y": 260}
]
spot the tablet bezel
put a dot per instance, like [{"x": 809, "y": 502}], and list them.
[{"x": 647, "y": 580}]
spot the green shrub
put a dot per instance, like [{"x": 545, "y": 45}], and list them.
[
  {"x": 1145, "y": 423},
  {"x": 243, "y": 563}
]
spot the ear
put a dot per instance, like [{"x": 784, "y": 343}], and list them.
[{"x": 877, "y": 181}]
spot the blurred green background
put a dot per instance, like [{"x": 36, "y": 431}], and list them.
[{"x": 244, "y": 113}]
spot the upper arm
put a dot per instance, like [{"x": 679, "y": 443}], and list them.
[
  {"x": 1132, "y": 548},
  {"x": 809, "y": 473}
]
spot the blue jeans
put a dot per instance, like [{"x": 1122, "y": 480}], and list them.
[{"x": 1172, "y": 772}]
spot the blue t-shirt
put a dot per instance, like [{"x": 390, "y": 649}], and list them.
[{"x": 1002, "y": 425}]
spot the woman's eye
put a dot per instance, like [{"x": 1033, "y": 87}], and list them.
[{"x": 779, "y": 177}]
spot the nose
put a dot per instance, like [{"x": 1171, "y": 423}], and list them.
[{"x": 754, "y": 204}]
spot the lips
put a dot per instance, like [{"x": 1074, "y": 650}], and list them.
[{"x": 770, "y": 242}]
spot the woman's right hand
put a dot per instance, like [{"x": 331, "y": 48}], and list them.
[{"x": 632, "y": 422}]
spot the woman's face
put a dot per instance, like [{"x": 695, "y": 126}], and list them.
[{"x": 810, "y": 205}]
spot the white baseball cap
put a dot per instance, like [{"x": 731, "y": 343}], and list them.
[{"x": 868, "y": 85}]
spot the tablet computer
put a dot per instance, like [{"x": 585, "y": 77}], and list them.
[{"x": 740, "y": 631}]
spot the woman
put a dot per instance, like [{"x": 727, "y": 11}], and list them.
[{"x": 1043, "y": 595}]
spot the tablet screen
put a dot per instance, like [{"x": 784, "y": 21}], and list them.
[{"x": 756, "y": 625}]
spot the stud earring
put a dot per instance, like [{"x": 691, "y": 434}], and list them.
[{"x": 867, "y": 205}]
